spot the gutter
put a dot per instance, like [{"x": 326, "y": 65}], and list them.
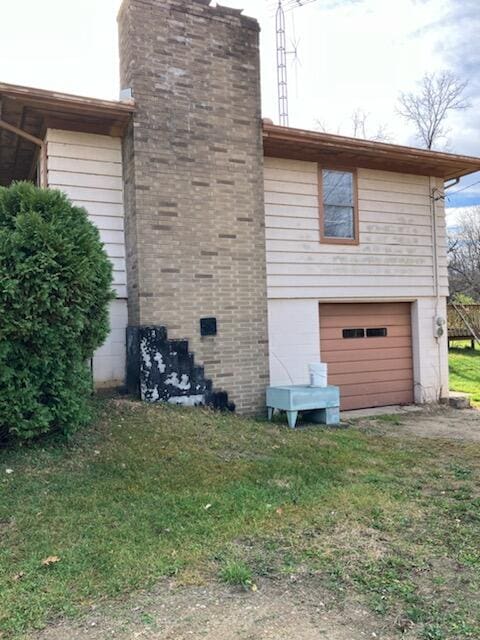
[{"x": 453, "y": 182}]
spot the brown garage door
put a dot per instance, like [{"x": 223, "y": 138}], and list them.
[{"x": 368, "y": 348}]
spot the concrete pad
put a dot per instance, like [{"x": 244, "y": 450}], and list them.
[
  {"x": 459, "y": 400},
  {"x": 379, "y": 411}
]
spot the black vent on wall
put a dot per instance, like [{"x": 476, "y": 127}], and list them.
[{"x": 208, "y": 327}]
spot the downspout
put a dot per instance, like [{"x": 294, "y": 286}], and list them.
[
  {"x": 436, "y": 195},
  {"x": 452, "y": 183},
  {"x": 436, "y": 280},
  {"x": 439, "y": 321},
  {"x": 40, "y": 143},
  {"x": 437, "y": 328}
]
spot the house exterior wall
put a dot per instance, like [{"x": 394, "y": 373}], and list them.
[
  {"x": 194, "y": 186},
  {"x": 394, "y": 261},
  {"x": 88, "y": 168}
]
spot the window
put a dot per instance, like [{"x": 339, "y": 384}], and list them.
[
  {"x": 338, "y": 206},
  {"x": 377, "y": 333},
  {"x": 353, "y": 333}
]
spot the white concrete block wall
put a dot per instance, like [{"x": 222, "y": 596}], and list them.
[
  {"x": 88, "y": 168},
  {"x": 294, "y": 340},
  {"x": 430, "y": 355},
  {"x": 109, "y": 361}
]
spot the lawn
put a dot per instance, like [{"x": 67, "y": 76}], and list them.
[
  {"x": 158, "y": 491},
  {"x": 465, "y": 370}
]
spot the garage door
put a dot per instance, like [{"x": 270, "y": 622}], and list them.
[{"x": 368, "y": 348}]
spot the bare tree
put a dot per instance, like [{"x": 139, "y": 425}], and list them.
[
  {"x": 438, "y": 96},
  {"x": 464, "y": 254},
  {"x": 359, "y": 127}
]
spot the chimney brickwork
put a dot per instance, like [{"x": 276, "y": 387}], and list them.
[{"x": 193, "y": 168}]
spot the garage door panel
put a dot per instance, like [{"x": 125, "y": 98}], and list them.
[
  {"x": 367, "y": 320},
  {"x": 362, "y": 356},
  {"x": 343, "y": 379},
  {"x": 336, "y": 333},
  {"x": 367, "y": 308},
  {"x": 368, "y": 366},
  {"x": 365, "y": 389},
  {"x": 365, "y": 344},
  {"x": 370, "y": 371},
  {"x": 379, "y": 400}
]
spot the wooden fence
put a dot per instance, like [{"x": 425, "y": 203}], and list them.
[{"x": 463, "y": 322}]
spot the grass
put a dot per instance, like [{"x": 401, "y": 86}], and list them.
[
  {"x": 390, "y": 419},
  {"x": 236, "y": 573},
  {"x": 150, "y": 492},
  {"x": 465, "y": 370}
]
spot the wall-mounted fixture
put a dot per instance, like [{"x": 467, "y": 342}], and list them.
[{"x": 208, "y": 327}]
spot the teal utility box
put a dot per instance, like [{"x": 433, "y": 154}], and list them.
[{"x": 323, "y": 403}]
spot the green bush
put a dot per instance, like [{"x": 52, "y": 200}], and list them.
[{"x": 55, "y": 289}]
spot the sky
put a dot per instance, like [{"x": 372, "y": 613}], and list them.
[{"x": 351, "y": 54}]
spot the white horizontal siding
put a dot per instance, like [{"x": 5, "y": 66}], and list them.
[
  {"x": 288, "y": 175},
  {"x": 101, "y": 208},
  {"x": 114, "y": 250},
  {"x": 371, "y": 223},
  {"x": 366, "y": 251},
  {"x": 109, "y": 223},
  {"x": 363, "y": 281},
  {"x": 305, "y": 269},
  {"x": 395, "y": 254},
  {"x": 337, "y": 292},
  {"x": 89, "y": 194},
  {"x": 77, "y": 165},
  {"x": 374, "y": 235},
  {"x": 101, "y": 182},
  {"x": 76, "y": 151},
  {"x": 83, "y": 139},
  {"x": 111, "y": 236},
  {"x": 334, "y": 259},
  {"x": 88, "y": 168}
]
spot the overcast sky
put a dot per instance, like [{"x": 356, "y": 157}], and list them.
[{"x": 352, "y": 54}]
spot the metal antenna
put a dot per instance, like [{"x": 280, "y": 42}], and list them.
[
  {"x": 282, "y": 66},
  {"x": 282, "y": 53},
  {"x": 295, "y": 43}
]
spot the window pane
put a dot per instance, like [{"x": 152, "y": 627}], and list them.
[
  {"x": 338, "y": 222},
  {"x": 353, "y": 333},
  {"x": 377, "y": 333},
  {"x": 337, "y": 188}
]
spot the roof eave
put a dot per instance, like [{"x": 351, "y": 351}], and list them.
[
  {"x": 55, "y": 106},
  {"x": 83, "y": 103},
  {"x": 292, "y": 142}
]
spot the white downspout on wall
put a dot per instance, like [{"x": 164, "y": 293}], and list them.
[{"x": 439, "y": 321}]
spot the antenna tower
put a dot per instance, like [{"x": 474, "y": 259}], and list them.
[
  {"x": 282, "y": 53},
  {"x": 282, "y": 73}
]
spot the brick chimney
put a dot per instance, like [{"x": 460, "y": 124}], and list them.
[{"x": 193, "y": 168}]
